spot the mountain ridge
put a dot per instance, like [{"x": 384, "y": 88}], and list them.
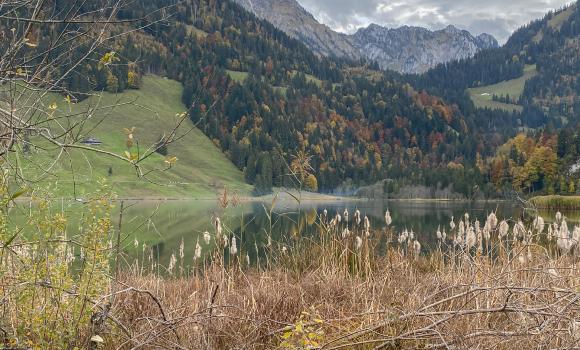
[
  {"x": 405, "y": 49},
  {"x": 410, "y": 49},
  {"x": 290, "y": 16}
]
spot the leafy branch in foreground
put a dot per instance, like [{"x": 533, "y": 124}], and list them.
[{"x": 53, "y": 272}]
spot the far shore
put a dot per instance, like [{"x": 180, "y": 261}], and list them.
[
  {"x": 284, "y": 196},
  {"x": 557, "y": 202}
]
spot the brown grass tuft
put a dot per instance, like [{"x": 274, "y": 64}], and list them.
[{"x": 403, "y": 303}]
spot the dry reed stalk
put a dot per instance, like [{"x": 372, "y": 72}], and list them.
[{"x": 399, "y": 302}]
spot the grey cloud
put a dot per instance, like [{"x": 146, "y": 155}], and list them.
[{"x": 497, "y": 17}]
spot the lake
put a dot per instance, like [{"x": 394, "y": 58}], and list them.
[{"x": 163, "y": 225}]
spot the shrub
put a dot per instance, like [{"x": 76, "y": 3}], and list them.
[{"x": 53, "y": 276}]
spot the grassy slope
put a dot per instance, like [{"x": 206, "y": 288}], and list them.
[
  {"x": 200, "y": 172},
  {"x": 513, "y": 87},
  {"x": 237, "y": 76},
  {"x": 241, "y": 76},
  {"x": 556, "y": 22}
]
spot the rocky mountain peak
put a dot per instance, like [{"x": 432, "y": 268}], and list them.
[
  {"x": 405, "y": 49},
  {"x": 487, "y": 41},
  {"x": 290, "y": 17}
]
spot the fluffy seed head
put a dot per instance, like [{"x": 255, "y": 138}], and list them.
[
  {"x": 345, "y": 233},
  {"x": 218, "y": 226},
  {"x": 492, "y": 221},
  {"x": 519, "y": 230},
  {"x": 539, "y": 224},
  {"x": 470, "y": 237},
  {"x": 172, "y": 262},
  {"x": 461, "y": 230},
  {"x": 417, "y": 247},
  {"x": 197, "y": 251},
  {"x": 358, "y": 243},
  {"x": 182, "y": 249},
  {"x": 504, "y": 228},
  {"x": 388, "y": 219},
  {"x": 234, "y": 247}
]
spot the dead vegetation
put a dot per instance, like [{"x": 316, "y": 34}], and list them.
[{"x": 328, "y": 296}]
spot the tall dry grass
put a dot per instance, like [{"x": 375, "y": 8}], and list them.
[{"x": 336, "y": 292}]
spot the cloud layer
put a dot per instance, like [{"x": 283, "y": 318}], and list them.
[{"x": 497, "y": 17}]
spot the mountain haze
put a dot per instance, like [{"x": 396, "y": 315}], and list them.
[{"x": 405, "y": 49}]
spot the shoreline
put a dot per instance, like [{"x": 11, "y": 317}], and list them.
[
  {"x": 555, "y": 202},
  {"x": 284, "y": 197}
]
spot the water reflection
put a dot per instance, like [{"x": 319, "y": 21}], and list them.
[{"x": 166, "y": 226}]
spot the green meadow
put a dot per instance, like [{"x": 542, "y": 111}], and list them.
[
  {"x": 483, "y": 96},
  {"x": 201, "y": 169}
]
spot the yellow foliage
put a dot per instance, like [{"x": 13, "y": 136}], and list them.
[
  {"x": 311, "y": 183},
  {"x": 306, "y": 333},
  {"x": 133, "y": 80}
]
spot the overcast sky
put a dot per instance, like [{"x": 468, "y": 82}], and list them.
[{"x": 497, "y": 17}]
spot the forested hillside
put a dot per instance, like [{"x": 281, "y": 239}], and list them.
[
  {"x": 544, "y": 161},
  {"x": 358, "y": 126},
  {"x": 550, "y": 44},
  {"x": 268, "y": 102}
]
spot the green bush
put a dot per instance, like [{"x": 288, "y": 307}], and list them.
[{"x": 53, "y": 277}]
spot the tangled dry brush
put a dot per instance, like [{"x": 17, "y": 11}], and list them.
[{"x": 500, "y": 286}]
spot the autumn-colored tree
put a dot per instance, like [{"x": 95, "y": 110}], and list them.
[
  {"x": 133, "y": 80},
  {"x": 311, "y": 183},
  {"x": 300, "y": 166}
]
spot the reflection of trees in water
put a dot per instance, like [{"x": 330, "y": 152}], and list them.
[
  {"x": 422, "y": 218},
  {"x": 176, "y": 220},
  {"x": 158, "y": 249}
]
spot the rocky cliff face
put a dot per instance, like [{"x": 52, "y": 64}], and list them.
[
  {"x": 294, "y": 20},
  {"x": 415, "y": 49},
  {"x": 405, "y": 49}
]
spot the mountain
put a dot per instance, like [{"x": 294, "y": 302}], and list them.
[
  {"x": 536, "y": 71},
  {"x": 293, "y": 19},
  {"x": 533, "y": 79},
  {"x": 415, "y": 49},
  {"x": 405, "y": 49},
  {"x": 267, "y": 102}
]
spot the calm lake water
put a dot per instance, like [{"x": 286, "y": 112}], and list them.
[{"x": 163, "y": 225}]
